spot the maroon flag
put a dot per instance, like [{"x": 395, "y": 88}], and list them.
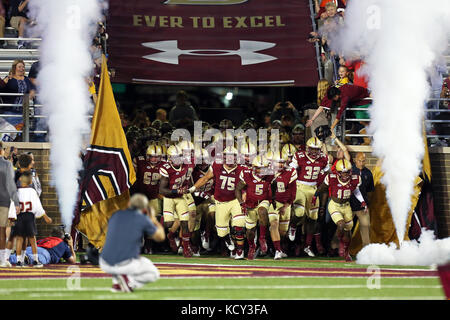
[{"x": 212, "y": 42}]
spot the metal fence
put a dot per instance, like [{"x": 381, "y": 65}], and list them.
[{"x": 346, "y": 119}]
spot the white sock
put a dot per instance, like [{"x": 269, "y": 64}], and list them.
[
  {"x": 7, "y": 254},
  {"x": 35, "y": 257},
  {"x": 22, "y": 255},
  {"x": 2, "y": 256},
  {"x": 19, "y": 258}
]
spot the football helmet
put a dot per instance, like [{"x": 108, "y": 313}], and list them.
[
  {"x": 230, "y": 155},
  {"x": 154, "y": 154},
  {"x": 202, "y": 157},
  {"x": 344, "y": 170},
  {"x": 174, "y": 156},
  {"x": 248, "y": 152},
  {"x": 289, "y": 150},
  {"x": 187, "y": 149},
  {"x": 277, "y": 159},
  {"x": 313, "y": 147},
  {"x": 260, "y": 165}
]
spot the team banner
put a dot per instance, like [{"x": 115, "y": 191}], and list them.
[{"x": 212, "y": 42}]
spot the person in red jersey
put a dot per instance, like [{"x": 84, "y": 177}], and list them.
[
  {"x": 290, "y": 150},
  {"x": 341, "y": 186},
  {"x": 147, "y": 182},
  {"x": 248, "y": 153},
  {"x": 204, "y": 202},
  {"x": 283, "y": 190},
  {"x": 257, "y": 183},
  {"x": 228, "y": 209},
  {"x": 343, "y": 97},
  {"x": 176, "y": 204},
  {"x": 311, "y": 166}
]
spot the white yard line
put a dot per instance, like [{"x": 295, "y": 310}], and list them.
[{"x": 231, "y": 287}]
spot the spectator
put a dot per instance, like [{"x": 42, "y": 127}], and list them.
[
  {"x": 355, "y": 66},
  {"x": 52, "y": 249},
  {"x": 120, "y": 254},
  {"x": 322, "y": 118},
  {"x": 343, "y": 77},
  {"x": 25, "y": 164},
  {"x": 161, "y": 115},
  {"x": 8, "y": 193},
  {"x": 17, "y": 82},
  {"x": 182, "y": 111},
  {"x": 322, "y": 11},
  {"x": 341, "y": 98},
  {"x": 25, "y": 227},
  {"x": 287, "y": 122},
  {"x": 267, "y": 120},
  {"x": 445, "y": 93},
  {"x": 19, "y": 17},
  {"x": 367, "y": 185}
]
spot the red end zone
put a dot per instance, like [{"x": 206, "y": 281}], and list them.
[{"x": 171, "y": 270}]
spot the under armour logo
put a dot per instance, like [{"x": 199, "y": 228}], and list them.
[{"x": 248, "y": 52}]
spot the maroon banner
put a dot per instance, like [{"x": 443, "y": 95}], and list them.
[{"x": 212, "y": 42}]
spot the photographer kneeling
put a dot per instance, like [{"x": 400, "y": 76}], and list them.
[{"x": 52, "y": 249}]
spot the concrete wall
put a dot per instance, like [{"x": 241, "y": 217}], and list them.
[{"x": 440, "y": 162}]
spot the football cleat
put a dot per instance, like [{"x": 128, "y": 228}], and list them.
[
  {"x": 277, "y": 255},
  {"x": 19, "y": 264},
  {"x": 180, "y": 250},
  {"x": 233, "y": 254},
  {"x": 291, "y": 233},
  {"x": 195, "y": 252},
  {"x": 116, "y": 288},
  {"x": 37, "y": 264},
  {"x": 309, "y": 252},
  {"x": 341, "y": 249},
  {"x": 283, "y": 255},
  {"x": 187, "y": 251},
  {"x": 239, "y": 254}
]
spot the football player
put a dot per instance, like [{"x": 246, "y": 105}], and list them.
[
  {"x": 298, "y": 137},
  {"x": 176, "y": 203},
  {"x": 290, "y": 150},
  {"x": 283, "y": 190},
  {"x": 147, "y": 181},
  {"x": 341, "y": 186},
  {"x": 257, "y": 184},
  {"x": 228, "y": 209},
  {"x": 248, "y": 153},
  {"x": 311, "y": 166},
  {"x": 204, "y": 202}
]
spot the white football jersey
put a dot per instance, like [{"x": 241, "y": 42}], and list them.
[{"x": 30, "y": 202}]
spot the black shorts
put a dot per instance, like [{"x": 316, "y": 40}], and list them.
[{"x": 25, "y": 225}]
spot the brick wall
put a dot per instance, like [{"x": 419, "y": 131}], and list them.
[{"x": 440, "y": 162}]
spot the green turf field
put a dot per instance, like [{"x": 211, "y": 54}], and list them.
[{"x": 191, "y": 279}]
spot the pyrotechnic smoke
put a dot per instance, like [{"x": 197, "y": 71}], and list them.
[
  {"x": 399, "y": 41},
  {"x": 426, "y": 251},
  {"x": 67, "y": 28}
]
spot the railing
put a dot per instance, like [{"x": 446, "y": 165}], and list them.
[
  {"x": 344, "y": 121},
  {"x": 316, "y": 45}
]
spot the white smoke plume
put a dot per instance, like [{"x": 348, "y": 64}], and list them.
[
  {"x": 67, "y": 28},
  {"x": 399, "y": 41},
  {"x": 427, "y": 251}
]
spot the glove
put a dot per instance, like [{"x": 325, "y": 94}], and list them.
[
  {"x": 192, "y": 189},
  {"x": 182, "y": 190}
]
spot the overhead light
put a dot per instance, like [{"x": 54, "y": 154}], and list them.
[{"x": 229, "y": 96}]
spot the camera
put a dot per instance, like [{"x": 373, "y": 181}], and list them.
[{"x": 66, "y": 237}]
